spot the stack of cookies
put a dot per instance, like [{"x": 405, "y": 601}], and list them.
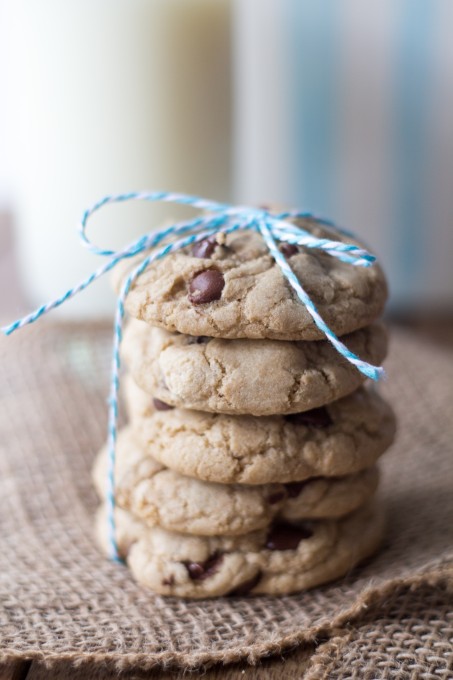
[{"x": 249, "y": 462}]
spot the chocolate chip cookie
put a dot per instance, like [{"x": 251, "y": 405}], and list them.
[
  {"x": 256, "y": 377},
  {"x": 234, "y": 289},
  {"x": 342, "y": 438},
  {"x": 281, "y": 559}
]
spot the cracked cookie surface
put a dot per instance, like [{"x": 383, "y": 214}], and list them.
[
  {"x": 162, "y": 497},
  {"x": 256, "y": 301},
  {"x": 256, "y": 377},
  {"x": 279, "y": 560},
  {"x": 352, "y": 434}
]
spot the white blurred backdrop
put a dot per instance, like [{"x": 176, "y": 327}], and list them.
[{"x": 342, "y": 108}]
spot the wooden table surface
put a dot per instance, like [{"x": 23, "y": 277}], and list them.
[
  {"x": 438, "y": 328},
  {"x": 291, "y": 666}
]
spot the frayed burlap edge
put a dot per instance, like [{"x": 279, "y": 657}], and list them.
[
  {"x": 329, "y": 637},
  {"x": 383, "y": 643}
]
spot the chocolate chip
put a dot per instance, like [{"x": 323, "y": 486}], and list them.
[
  {"x": 198, "y": 571},
  {"x": 206, "y": 286},
  {"x": 161, "y": 405},
  {"x": 286, "y": 536},
  {"x": 276, "y": 497},
  {"x": 170, "y": 581},
  {"x": 289, "y": 249},
  {"x": 247, "y": 586},
  {"x": 317, "y": 417},
  {"x": 197, "y": 339},
  {"x": 294, "y": 488},
  {"x": 204, "y": 248}
]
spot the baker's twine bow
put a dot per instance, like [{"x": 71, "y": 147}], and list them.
[{"x": 217, "y": 218}]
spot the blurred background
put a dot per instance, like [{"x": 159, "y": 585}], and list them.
[{"x": 341, "y": 108}]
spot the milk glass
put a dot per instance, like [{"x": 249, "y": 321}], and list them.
[{"x": 111, "y": 96}]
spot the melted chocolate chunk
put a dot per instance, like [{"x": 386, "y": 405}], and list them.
[
  {"x": 289, "y": 249},
  {"x": 294, "y": 488},
  {"x": 162, "y": 405},
  {"x": 198, "y": 571},
  {"x": 276, "y": 497},
  {"x": 286, "y": 536},
  {"x": 170, "y": 581},
  {"x": 247, "y": 586},
  {"x": 317, "y": 417},
  {"x": 206, "y": 286},
  {"x": 204, "y": 248}
]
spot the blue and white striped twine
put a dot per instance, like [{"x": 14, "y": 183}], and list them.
[{"x": 220, "y": 218}]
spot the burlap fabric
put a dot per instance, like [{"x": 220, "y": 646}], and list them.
[{"x": 61, "y": 600}]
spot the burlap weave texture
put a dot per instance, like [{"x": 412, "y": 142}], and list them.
[{"x": 60, "y": 599}]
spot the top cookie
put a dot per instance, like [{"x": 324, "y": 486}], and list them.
[{"x": 236, "y": 290}]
